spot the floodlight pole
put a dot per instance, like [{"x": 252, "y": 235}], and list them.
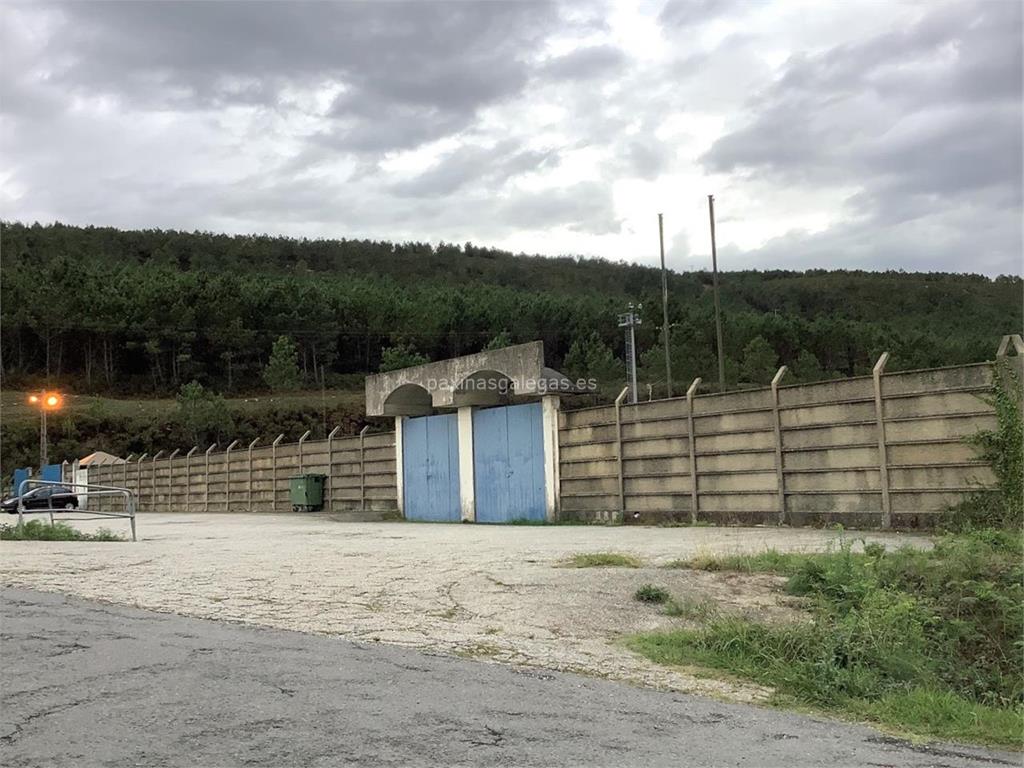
[
  {"x": 630, "y": 320},
  {"x": 43, "y": 452},
  {"x": 718, "y": 306},
  {"x": 664, "y": 305}
]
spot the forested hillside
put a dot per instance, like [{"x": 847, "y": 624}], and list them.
[{"x": 104, "y": 310}]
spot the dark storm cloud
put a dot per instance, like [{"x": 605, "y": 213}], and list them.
[
  {"x": 436, "y": 62},
  {"x": 889, "y": 103},
  {"x": 925, "y": 120}
]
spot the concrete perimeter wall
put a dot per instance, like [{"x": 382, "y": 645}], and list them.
[
  {"x": 882, "y": 450},
  {"x": 867, "y": 451},
  {"x": 360, "y": 477}
]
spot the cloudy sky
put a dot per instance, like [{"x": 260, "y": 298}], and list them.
[{"x": 833, "y": 134}]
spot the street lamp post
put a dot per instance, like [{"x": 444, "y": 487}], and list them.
[{"x": 45, "y": 402}]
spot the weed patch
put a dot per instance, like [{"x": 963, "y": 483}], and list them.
[
  {"x": 1003, "y": 449},
  {"x": 602, "y": 560},
  {"x": 688, "y": 608},
  {"x": 37, "y": 530},
  {"x": 649, "y": 593},
  {"x": 927, "y": 641}
]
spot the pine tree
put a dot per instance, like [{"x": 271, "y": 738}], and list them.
[{"x": 282, "y": 371}]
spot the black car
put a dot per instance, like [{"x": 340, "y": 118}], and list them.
[{"x": 43, "y": 498}]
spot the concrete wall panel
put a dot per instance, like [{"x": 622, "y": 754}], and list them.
[
  {"x": 736, "y": 462},
  {"x": 834, "y": 480},
  {"x": 747, "y": 481},
  {"x": 763, "y": 441},
  {"x": 831, "y": 458},
  {"x": 813, "y": 415},
  {"x": 841, "y": 390}
]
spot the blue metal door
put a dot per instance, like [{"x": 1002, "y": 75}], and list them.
[
  {"x": 508, "y": 463},
  {"x": 430, "y": 468}
]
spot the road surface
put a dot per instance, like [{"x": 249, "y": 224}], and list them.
[{"x": 93, "y": 684}]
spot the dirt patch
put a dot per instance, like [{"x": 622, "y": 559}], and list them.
[{"x": 493, "y": 593}]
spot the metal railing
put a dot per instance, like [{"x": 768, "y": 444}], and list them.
[{"x": 131, "y": 504}]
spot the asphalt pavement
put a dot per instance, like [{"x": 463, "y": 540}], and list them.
[{"x": 92, "y": 684}]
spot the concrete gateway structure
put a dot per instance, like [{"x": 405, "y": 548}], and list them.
[{"x": 493, "y": 456}]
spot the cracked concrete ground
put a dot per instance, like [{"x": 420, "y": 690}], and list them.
[
  {"x": 90, "y": 684},
  {"x": 487, "y": 592}
]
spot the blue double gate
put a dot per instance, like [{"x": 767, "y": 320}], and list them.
[
  {"x": 508, "y": 466},
  {"x": 430, "y": 468},
  {"x": 508, "y": 463}
]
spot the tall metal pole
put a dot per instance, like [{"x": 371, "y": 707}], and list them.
[
  {"x": 664, "y": 305},
  {"x": 718, "y": 306},
  {"x": 629, "y": 321},
  {"x": 43, "y": 453}
]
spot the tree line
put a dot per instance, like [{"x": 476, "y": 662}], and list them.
[{"x": 138, "y": 312}]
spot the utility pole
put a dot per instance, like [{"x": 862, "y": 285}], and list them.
[
  {"x": 664, "y": 305},
  {"x": 630, "y": 320},
  {"x": 718, "y": 305}
]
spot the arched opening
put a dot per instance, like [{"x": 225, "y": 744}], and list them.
[
  {"x": 486, "y": 387},
  {"x": 408, "y": 400}
]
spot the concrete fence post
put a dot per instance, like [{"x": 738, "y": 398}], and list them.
[
  {"x": 138, "y": 476},
  {"x": 362, "y": 467},
  {"x": 127, "y": 461},
  {"x": 188, "y": 478},
  {"x": 618, "y": 450},
  {"x": 153, "y": 477},
  {"x": 170, "y": 476},
  {"x": 780, "y": 479},
  {"x": 248, "y": 493},
  {"x": 883, "y": 460},
  {"x": 692, "y": 440},
  {"x": 206, "y": 477},
  {"x": 227, "y": 475},
  {"x": 273, "y": 472},
  {"x": 1010, "y": 340},
  {"x": 329, "y": 490},
  {"x": 399, "y": 466},
  {"x": 1006, "y": 362},
  {"x": 303, "y": 439}
]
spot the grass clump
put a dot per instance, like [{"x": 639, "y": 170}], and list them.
[
  {"x": 603, "y": 560},
  {"x": 648, "y": 593},
  {"x": 688, "y": 608},
  {"x": 37, "y": 530},
  {"x": 926, "y": 641},
  {"x": 768, "y": 561}
]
